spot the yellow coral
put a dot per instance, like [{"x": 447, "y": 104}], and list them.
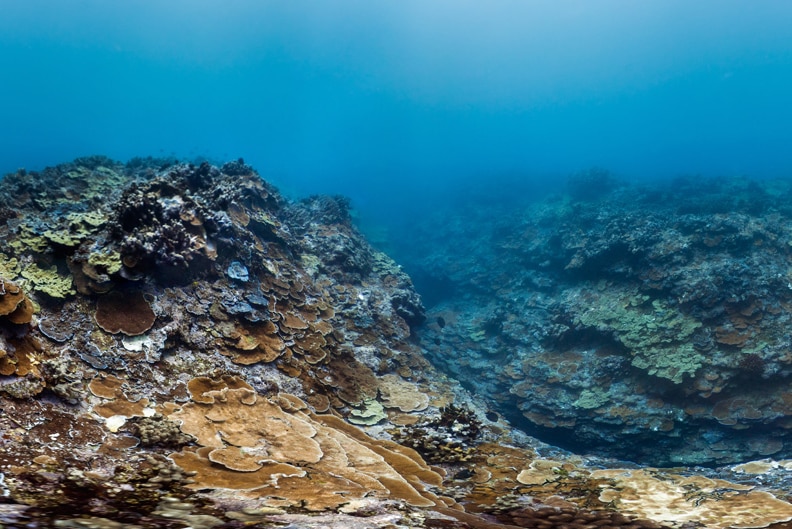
[
  {"x": 9, "y": 266},
  {"x": 49, "y": 281},
  {"x": 110, "y": 260}
]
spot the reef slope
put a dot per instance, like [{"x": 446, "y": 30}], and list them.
[
  {"x": 641, "y": 322},
  {"x": 180, "y": 346}
]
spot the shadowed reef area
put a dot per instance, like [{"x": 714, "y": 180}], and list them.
[
  {"x": 180, "y": 346},
  {"x": 645, "y": 322}
]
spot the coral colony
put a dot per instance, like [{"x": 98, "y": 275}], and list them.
[{"x": 180, "y": 346}]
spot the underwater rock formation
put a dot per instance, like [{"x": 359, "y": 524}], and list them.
[
  {"x": 645, "y": 322},
  {"x": 183, "y": 347}
]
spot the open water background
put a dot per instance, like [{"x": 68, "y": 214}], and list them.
[{"x": 406, "y": 106}]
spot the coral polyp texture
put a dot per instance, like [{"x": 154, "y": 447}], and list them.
[{"x": 180, "y": 346}]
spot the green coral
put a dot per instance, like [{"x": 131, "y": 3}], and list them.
[
  {"x": 9, "y": 266},
  {"x": 77, "y": 228},
  {"x": 371, "y": 413},
  {"x": 657, "y": 334},
  {"x": 49, "y": 281},
  {"x": 64, "y": 237},
  {"x": 90, "y": 219},
  {"x": 591, "y": 398},
  {"x": 110, "y": 260},
  {"x": 26, "y": 239},
  {"x": 101, "y": 180},
  {"x": 80, "y": 227}
]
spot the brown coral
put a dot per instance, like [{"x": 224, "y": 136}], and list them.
[
  {"x": 118, "y": 408},
  {"x": 273, "y": 448},
  {"x": 255, "y": 343},
  {"x": 204, "y": 389},
  {"x": 14, "y": 304},
  {"x": 125, "y": 312}
]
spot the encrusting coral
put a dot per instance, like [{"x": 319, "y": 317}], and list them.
[{"x": 286, "y": 454}]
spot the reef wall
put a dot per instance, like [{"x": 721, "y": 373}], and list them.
[{"x": 644, "y": 322}]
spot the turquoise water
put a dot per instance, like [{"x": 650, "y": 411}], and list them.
[{"x": 403, "y": 104}]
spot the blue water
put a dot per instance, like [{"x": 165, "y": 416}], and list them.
[{"x": 404, "y": 104}]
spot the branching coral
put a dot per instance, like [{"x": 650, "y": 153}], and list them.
[
  {"x": 157, "y": 225},
  {"x": 449, "y": 437}
]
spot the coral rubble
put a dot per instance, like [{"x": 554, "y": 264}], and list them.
[{"x": 180, "y": 346}]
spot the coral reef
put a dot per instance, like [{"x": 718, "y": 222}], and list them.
[
  {"x": 645, "y": 322},
  {"x": 448, "y": 438},
  {"x": 182, "y": 347}
]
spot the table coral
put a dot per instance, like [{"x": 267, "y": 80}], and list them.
[{"x": 124, "y": 312}]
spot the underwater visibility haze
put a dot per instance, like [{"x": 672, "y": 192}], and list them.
[
  {"x": 402, "y": 99},
  {"x": 396, "y": 264}
]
